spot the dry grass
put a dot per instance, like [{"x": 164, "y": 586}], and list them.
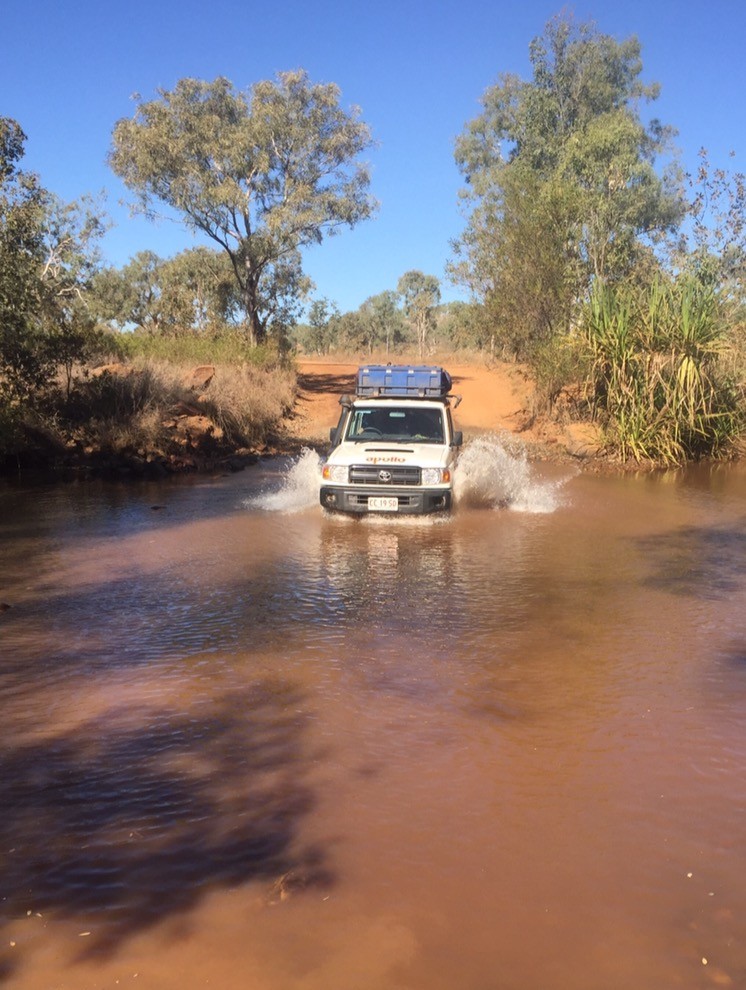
[
  {"x": 154, "y": 410},
  {"x": 247, "y": 403},
  {"x": 136, "y": 405}
]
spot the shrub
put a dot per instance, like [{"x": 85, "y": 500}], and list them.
[
  {"x": 658, "y": 373},
  {"x": 134, "y": 405},
  {"x": 229, "y": 348},
  {"x": 247, "y": 403},
  {"x": 10, "y": 428},
  {"x": 558, "y": 364}
]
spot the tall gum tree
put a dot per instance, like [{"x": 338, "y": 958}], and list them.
[
  {"x": 261, "y": 173},
  {"x": 420, "y": 294},
  {"x": 48, "y": 255},
  {"x": 561, "y": 182}
]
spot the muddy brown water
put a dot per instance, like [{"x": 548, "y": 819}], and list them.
[{"x": 252, "y": 748}]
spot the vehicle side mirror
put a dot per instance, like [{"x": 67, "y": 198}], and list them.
[
  {"x": 333, "y": 434},
  {"x": 458, "y": 438}
]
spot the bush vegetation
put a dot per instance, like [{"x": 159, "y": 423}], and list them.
[
  {"x": 601, "y": 272},
  {"x": 229, "y": 347},
  {"x": 661, "y": 374},
  {"x": 151, "y": 412},
  {"x": 618, "y": 282}
]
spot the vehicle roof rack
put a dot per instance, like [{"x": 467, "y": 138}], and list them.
[{"x": 402, "y": 381}]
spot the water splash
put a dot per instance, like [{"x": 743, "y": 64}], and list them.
[
  {"x": 299, "y": 489},
  {"x": 494, "y": 472}
]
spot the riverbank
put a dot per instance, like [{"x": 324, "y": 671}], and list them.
[
  {"x": 149, "y": 418},
  {"x": 245, "y": 739},
  {"x": 151, "y": 421}
]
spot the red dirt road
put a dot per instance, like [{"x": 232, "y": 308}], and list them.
[{"x": 494, "y": 399}]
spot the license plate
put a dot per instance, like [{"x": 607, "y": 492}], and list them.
[{"x": 379, "y": 504}]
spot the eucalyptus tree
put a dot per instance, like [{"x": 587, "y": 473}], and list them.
[
  {"x": 48, "y": 255},
  {"x": 465, "y": 325},
  {"x": 713, "y": 246},
  {"x": 198, "y": 291},
  {"x": 262, "y": 173},
  {"x": 384, "y": 318},
  {"x": 561, "y": 179},
  {"x": 420, "y": 296},
  {"x": 194, "y": 291},
  {"x": 23, "y": 204},
  {"x": 318, "y": 335},
  {"x": 130, "y": 296}
]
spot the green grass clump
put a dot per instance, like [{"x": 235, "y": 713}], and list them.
[
  {"x": 659, "y": 371},
  {"x": 183, "y": 349}
]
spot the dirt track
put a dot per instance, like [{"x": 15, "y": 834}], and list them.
[{"x": 495, "y": 399}]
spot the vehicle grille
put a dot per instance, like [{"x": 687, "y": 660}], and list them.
[{"x": 370, "y": 474}]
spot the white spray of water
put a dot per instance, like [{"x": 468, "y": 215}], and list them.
[
  {"x": 299, "y": 489},
  {"x": 494, "y": 472}
]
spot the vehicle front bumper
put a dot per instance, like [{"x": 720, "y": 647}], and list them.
[{"x": 411, "y": 501}]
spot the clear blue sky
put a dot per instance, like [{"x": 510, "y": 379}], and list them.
[{"x": 416, "y": 69}]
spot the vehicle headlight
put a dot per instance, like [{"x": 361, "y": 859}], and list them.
[
  {"x": 435, "y": 476},
  {"x": 335, "y": 472}
]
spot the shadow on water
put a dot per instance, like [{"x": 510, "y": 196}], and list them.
[
  {"x": 90, "y": 509},
  {"x": 119, "y": 825},
  {"x": 728, "y": 675},
  {"x": 339, "y": 580},
  {"x": 698, "y": 561}
]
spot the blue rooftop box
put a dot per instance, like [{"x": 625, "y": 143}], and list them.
[{"x": 402, "y": 380}]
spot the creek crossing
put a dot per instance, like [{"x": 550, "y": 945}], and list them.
[{"x": 247, "y": 743}]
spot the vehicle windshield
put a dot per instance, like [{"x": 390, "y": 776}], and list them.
[{"x": 396, "y": 423}]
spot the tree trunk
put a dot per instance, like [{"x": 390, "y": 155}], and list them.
[
  {"x": 421, "y": 334},
  {"x": 257, "y": 332}
]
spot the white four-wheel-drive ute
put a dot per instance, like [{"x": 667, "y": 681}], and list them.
[{"x": 394, "y": 449}]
